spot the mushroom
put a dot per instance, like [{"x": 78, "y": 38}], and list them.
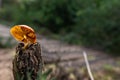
[{"x": 24, "y": 34}]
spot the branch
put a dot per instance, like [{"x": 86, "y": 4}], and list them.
[{"x": 88, "y": 67}]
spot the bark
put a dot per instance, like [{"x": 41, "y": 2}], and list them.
[{"x": 27, "y": 63}]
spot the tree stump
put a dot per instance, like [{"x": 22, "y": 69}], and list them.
[{"x": 27, "y": 63}]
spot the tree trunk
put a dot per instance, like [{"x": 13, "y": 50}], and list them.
[{"x": 27, "y": 63}]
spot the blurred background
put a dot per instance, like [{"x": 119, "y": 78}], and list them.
[{"x": 78, "y": 25}]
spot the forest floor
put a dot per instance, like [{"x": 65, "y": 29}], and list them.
[{"x": 64, "y": 55}]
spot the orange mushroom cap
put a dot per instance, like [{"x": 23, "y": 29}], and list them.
[{"x": 23, "y": 33}]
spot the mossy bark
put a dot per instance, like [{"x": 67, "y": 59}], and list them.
[{"x": 27, "y": 63}]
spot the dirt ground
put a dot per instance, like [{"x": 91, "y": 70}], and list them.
[{"x": 54, "y": 50}]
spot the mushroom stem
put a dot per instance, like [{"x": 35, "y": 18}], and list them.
[
  {"x": 25, "y": 37},
  {"x": 26, "y": 44}
]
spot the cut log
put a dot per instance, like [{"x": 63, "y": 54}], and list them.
[{"x": 27, "y": 63}]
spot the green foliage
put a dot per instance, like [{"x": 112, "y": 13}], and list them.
[
  {"x": 6, "y": 42},
  {"x": 52, "y": 14},
  {"x": 93, "y": 23},
  {"x": 71, "y": 38},
  {"x": 99, "y": 26},
  {"x": 46, "y": 74}
]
